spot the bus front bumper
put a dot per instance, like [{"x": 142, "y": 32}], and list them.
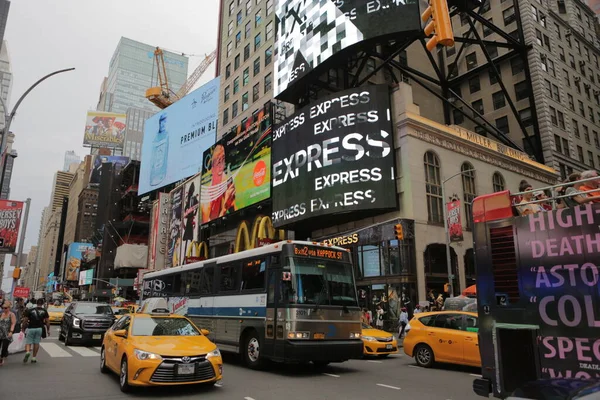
[{"x": 324, "y": 351}]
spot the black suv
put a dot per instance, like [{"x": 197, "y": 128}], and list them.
[{"x": 86, "y": 322}]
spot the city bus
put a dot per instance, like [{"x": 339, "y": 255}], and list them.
[
  {"x": 537, "y": 295},
  {"x": 291, "y": 301}
]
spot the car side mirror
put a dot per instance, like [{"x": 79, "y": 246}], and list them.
[
  {"x": 205, "y": 332},
  {"x": 122, "y": 333}
]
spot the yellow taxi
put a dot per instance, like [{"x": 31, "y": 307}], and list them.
[
  {"x": 377, "y": 342},
  {"x": 158, "y": 349},
  {"x": 56, "y": 314},
  {"x": 445, "y": 337}
]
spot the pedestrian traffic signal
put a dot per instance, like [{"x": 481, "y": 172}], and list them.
[
  {"x": 399, "y": 232},
  {"x": 440, "y": 25}
]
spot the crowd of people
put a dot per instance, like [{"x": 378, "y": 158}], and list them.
[{"x": 574, "y": 192}]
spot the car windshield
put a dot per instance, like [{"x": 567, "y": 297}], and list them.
[
  {"x": 93, "y": 309},
  {"x": 319, "y": 282},
  {"x": 56, "y": 309},
  {"x": 163, "y": 327}
]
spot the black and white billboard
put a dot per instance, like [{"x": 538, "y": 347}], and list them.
[
  {"x": 311, "y": 31},
  {"x": 333, "y": 156}
]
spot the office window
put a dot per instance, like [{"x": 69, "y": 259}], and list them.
[
  {"x": 553, "y": 116},
  {"x": 492, "y": 50},
  {"x": 256, "y": 69},
  {"x": 239, "y": 18},
  {"x": 246, "y": 76},
  {"x": 591, "y": 159},
  {"x": 565, "y": 145},
  {"x": 234, "y": 109},
  {"x": 498, "y": 182},
  {"x": 586, "y": 133},
  {"x": 566, "y": 76},
  {"x": 557, "y": 143},
  {"x": 236, "y": 85},
  {"x": 499, "y": 100},
  {"x": 469, "y": 191},
  {"x": 487, "y": 31},
  {"x": 248, "y": 7},
  {"x": 581, "y": 108},
  {"x": 246, "y": 52},
  {"x": 596, "y": 141},
  {"x": 478, "y": 106},
  {"x": 236, "y": 62},
  {"x": 591, "y": 114},
  {"x": 474, "y": 85},
  {"x": 269, "y": 7},
  {"x": 493, "y": 77},
  {"x": 255, "y": 92},
  {"x": 557, "y": 30},
  {"x": 238, "y": 39},
  {"x": 561, "y": 54},
  {"x": 517, "y": 65},
  {"x": 538, "y": 38},
  {"x": 267, "y": 83},
  {"x": 526, "y": 117},
  {"x": 502, "y": 125},
  {"x": 268, "y": 55},
  {"x": 226, "y": 94},
  {"x": 257, "y": 41},
  {"x": 580, "y": 153},
  {"x": 459, "y": 117},
  {"x": 551, "y": 69},
  {"x": 269, "y": 31},
  {"x": 555, "y": 93},
  {"x": 534, "y": 11},
  {"x": 561, "y": 120},
  {"x": 245, "y": 101},
  {"x": 548, "y": 86},
  {"x": 433, "y": 188},
  {"x": 257, "y": 19},
  {"x": 471, "y": 61},
  {"x": 247, "y": 30},
  {"x": 229, "y": 48},
  {"x": 509, "y": 15},
  {"x": 230, "y": 28},
  {"x": 575, "y": 125},
  {"x": 228, "y": 71},
  {"x": 231, "y": 7},
  {"x": 225, "y": 116},
  {"x": 571, "y": 102},
  {"x": 522, "y": 90}
]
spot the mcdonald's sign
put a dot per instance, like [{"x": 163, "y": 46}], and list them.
[{"x": 262, "y": 233}]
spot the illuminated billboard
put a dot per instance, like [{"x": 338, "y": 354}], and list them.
[
  {"x": 176, "y": 137},
  {"x": 119, "y": 161},
  {"x": 237, "y": 170},
  {"x": 74, "y": 258},
  {"x": 10, "y": 222},
  {"x": 174, "y": 232},
  {"x": 103, "y": 129},
  {"x": 190, "y": 228},
  {"x": 333, "y": 156},
  {"x": 311, "y": 31}
]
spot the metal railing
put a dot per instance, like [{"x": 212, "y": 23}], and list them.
[{"x": 552, "y": 199}]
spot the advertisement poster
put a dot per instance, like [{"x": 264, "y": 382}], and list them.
[
  {"x": 162, "y": 238},
  {"x": 176, "y": 137},
  {"x": 311, "y": 31},
  {"x": 74, "y": 257},
  {"x": 104, "y": 129},
  {"x": 335, "y": 155},
  {"x": 153, "y": 238},
  {"x": 119, "y": 161},
  {"x": 558, "y": 289},
  {"x": 174, "y": 243},
  {"x": 191, "y": 227},
  {"x": 21, "y": 292},
  {"x": 86, "y": 277},
  {"x": 455, "y": 229},
  {"x": 237, "y": 170},
  {"x": 10, "y": 222}
]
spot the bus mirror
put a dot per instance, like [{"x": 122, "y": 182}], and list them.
[{"x": 286, "y": 276}]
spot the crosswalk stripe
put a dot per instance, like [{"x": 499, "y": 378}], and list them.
[
  {"x": 54, "y": 350},
  {"x": 84, "y": 351}
]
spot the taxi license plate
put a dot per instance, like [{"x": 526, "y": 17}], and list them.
[
  {"x": 96, "y": 337},
  {"x": 389, "y": 347},
  {"x": 319, "y": 336},
  {"x": 185, "y": 369}
]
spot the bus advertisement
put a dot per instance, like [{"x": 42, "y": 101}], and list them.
[{"x": 290, "y": 301}]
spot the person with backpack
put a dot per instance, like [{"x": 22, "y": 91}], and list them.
[{"x": 37, "y": 323}]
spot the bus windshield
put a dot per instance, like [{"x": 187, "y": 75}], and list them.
[{"x": 319, "y": 282}]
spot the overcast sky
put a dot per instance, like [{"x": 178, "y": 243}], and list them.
[{"x": 44, "y": 36}]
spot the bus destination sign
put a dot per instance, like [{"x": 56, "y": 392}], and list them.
[{"x": 309, "y": 251}]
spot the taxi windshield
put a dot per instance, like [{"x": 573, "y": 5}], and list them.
[
  {"x": 56, "y": 309},
  {"x": 163, "y": 327}
]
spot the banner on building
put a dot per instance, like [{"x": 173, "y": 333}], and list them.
[
  {"x": 236, "y": 171},
  {"x": 21, "y": 292},
  {"x": 104, "y": 129},
  {"x": 74, "y": 257},
  {"x": 174, "y": 242},
  {"x": 455, "y": 230},
  {"x": 153, "y": 238},
  {"x": 10, "y": 222},
  {"x": 164, "y": 200},
  {"x": 190, "y": 220},
  {"x": 119, "y": 161}
]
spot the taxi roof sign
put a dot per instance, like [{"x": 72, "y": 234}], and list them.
[{"x": 153, "y": 304}]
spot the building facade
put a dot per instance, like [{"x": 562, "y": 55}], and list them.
[
  {"x": 134, "y": 134},
  {"x": 4, "y": 9},
  {"x": 29, "y": 275},
  {"x": 132, "y": 71},
  {"x": 70, "y": 158},
  {"x": 60, "y": 189},
  {"x": 5, "y": 74},
  {"x": 8, "y": 159},
  {"x": 86, "y": 215}
]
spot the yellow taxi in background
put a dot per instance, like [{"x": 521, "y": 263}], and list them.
[
  {"x": 445, "y": 336},
  {"x": 377, "y": 342},
  {"x": 158, "y": 349},
  {"x": 56, "y": 314}
]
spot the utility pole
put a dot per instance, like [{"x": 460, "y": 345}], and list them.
[{"x": 21, "y": 244}]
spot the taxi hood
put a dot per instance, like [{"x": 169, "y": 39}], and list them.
[
  {"x": 176, "y": 346},
  {"x": 376, "y": 333}
]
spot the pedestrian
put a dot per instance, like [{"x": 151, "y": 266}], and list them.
[
  {"x": 7, "y": 327},
  {"x": 36, "y": 320},
  {"x": 18, "y": 310},
  {"x": 379, "y": 322},
  {"x": 370, "y": 317},
  {"x": 417, "y": 309},
  {"x": 403, "y": 321}
]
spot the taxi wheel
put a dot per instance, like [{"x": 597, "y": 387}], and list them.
[
  {"x": 251, "y": 351},
  {"x": 103, "y": 367},
  {"x": 424, "y": 356},
  {"x": 124, "y": 377}
]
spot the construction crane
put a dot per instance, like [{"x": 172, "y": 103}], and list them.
[{"x": 162, "y": 96}]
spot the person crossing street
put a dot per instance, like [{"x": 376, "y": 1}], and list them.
[{"x": 36, "y": 321}]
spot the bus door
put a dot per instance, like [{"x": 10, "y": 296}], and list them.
[{"x": 276, "y": 312}]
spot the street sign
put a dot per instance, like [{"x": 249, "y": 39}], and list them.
[{"x": 21, "y": 292}]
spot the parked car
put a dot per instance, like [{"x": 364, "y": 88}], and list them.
[{"x": 85, "y": 322}]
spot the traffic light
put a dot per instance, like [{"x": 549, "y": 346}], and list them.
[
  {"x": 440, "y": 25},
  {"x": 399, "y": 232},
  {"x": 446, "y": 287},
  {"x": 17, "y": 273}
]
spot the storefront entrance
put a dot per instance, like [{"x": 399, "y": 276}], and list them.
[{"x": 436, "y": 270}]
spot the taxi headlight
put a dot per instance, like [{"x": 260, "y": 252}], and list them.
[
  {"x": 144, "y": 355},
  {"x": 214, "y": 353},
  {"x": 368, "y": 338}
]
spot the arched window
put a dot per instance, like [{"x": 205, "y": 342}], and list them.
[
  {"x": 433, "y": 183},
  {"x": 469, "y": 191},
  {"x": 498, "y": 182}
]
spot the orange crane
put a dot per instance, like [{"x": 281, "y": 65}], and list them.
[{"x": 162, "y": 96}]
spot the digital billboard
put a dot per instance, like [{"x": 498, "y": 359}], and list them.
[
  {"x": 190, "y": 231},
  {"x": 103, "y": 129},
  {"x": 236, "y": 171},
  {"x": 96, "y": 172},
  {"x": 311, "y": 31},
  {"x": 334, "y": 155},
  {"x": 74, "y": 257},
  {"x": 174, "y": 233},
  {"x": 10, "y": 222},
  {"x": 176, "y": 138}
]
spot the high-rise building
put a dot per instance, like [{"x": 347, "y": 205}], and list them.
[
  {"x": 131, "y": 72},
  {"x": 245, "y": 59},
  {"x": 60, "y": 189},
  {"x": 8, "y": 161},
  {"x": 4, "y": 8},
  {"x": 70, "y": 158},
  {"x": 134, "y": 132},
  {"x": 78, "y": 184},
  {"x": 5, "y": 78},
  {"x": 29, "y": 273}
]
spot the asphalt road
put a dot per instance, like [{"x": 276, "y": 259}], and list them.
[{"x": 73, "y": 374}]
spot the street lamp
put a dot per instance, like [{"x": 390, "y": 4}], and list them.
[{"x": 448, "y": 257}]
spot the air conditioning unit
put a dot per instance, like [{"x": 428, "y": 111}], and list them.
[
  {"x": 587, "y": 85},
  {"x": 568, "y": 32},
  {"x": 577, "y": 79},
  {"x": 581, "y": 63}
]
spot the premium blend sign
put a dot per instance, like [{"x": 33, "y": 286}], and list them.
[{"x": 335, "y": 155}]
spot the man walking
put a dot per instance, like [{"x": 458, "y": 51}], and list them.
[{"x": 35, "y": 320}]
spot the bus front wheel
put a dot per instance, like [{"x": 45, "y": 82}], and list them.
[{"x": 251, "y": 350}]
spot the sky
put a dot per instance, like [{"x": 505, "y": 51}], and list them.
[{"x": 44, "y": 36}]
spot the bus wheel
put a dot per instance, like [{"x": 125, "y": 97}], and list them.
[
  {"x": 424, "y": 356},
  {"x": 251, "y": 351}
]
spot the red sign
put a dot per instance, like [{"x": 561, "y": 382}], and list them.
[
  {"x": 21, "y": 292},
  {"x": 10, "y": 222},
  {"x": 264, "y": 242},
  {"x": 455, "y": 230}
]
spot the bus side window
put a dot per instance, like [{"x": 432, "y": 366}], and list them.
[
  {"x": 273, "y": 281},
  {"x": 253, "y": 274},
  {"x": 191, "y": 282},
  {"x": 230, "y": 277},
  {"x": 207, "y": 280}
]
